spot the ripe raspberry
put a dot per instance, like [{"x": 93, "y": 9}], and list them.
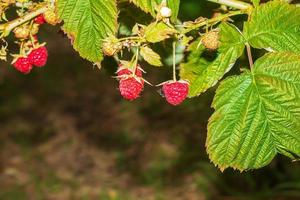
[
  {"x": 175, "y": 91},
  {"x": 126, "y": 71},
  {"x": 23, "y": 65},
  {"x": 40, "y": 19},
  {"x": 131, "y": 88},
  {"x": 38, "y": 57}
]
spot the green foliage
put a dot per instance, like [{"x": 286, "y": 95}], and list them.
[
  {"x": 87, "y": 23},
  {"x": 206, "y": 75},
  {"x": 174, "y": 5},
  {"x": 195, "y": 64},
  {"x": 257, "y": 114},
  {"x": 157, "y": 32},
  {"x": 150, "y": 56},
  {"x": 274, "y": 26},
  {"x": 147, "y": 6},
  {"x": 255, "y": 2}
]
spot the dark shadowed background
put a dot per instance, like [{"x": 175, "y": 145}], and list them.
[{"x": 65, "y": 133}]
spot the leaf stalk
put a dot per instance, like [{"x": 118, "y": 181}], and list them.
[
  {"x": 250, "y": 58},
  {"x": 233, "y": 3},
  {"x": 174, "y": 61}
]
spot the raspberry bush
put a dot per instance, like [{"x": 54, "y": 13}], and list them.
[{"x": 257, "y": 111}]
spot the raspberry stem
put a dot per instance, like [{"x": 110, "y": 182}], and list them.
[
  {"x": 174, "y": 61},
  {"x": 6, "y": 28},
  {"x": 22, "y": 50},
  {"x": 136, "y": 58},
  {"x": 129, "y": 38},
  {"x": 249, "y": 55},
  {"x": 233, "y": 3}
]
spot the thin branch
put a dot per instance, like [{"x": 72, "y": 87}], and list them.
[
  {"x": 174, "y": 61},
  {"x": 6, "y": 28},
  {"x": 250, "y": 58},
  {"x": 233, "y": 3},
  {"x": 137, "y": 54},
  {"x": 214, "y": 20}
]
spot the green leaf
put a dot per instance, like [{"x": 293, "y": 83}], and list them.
[
  {"x": 274, "y": 26},
  {"x": 174, "y": 5},
  {"x": 205, "y": 74},
  {"x": 87, "y": 23},
  {"x": 257, "y": 114},
  {"x": 149, "y": 6},
  {"x": 195, "y": 64},
  {"x": 150, "y": 56},
  {"x": 157, "y": 32},
  {"x": 255, "y": 2}
]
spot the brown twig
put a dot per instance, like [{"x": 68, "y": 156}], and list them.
[{"x": 6, "y": 28}]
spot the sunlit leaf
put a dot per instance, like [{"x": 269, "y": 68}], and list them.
[
  {"x": 87, "y": 23},
  {"x": 274, "y": 26},
  {"x": 207, "y": 74},
  {"x": 255, "y": 2},
  {"x": 150, "y": 56},
  {"x": 257, "y": 114},
  {"x": 157, "y": 32}
]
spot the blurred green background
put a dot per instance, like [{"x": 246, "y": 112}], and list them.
[{"x": 65, "y": 133}]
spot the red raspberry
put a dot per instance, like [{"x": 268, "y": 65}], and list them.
[
  {"x": 131, "y": 88},
  {"x": 175, "y": 91},
  {"x": 23, "y": 65},
  {"x": 40, "y": 19},
  {"x": 126, "y": 71},
  {"x": 38, "y": 57}
]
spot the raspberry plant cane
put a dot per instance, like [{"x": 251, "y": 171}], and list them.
[{"x": 256, "y": 111}]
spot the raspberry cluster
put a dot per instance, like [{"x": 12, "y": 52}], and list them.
[
  {"x": 32, "y": 53},
  {"x": 36, "y": 57},
  {"x": 131, "y": 84}
]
